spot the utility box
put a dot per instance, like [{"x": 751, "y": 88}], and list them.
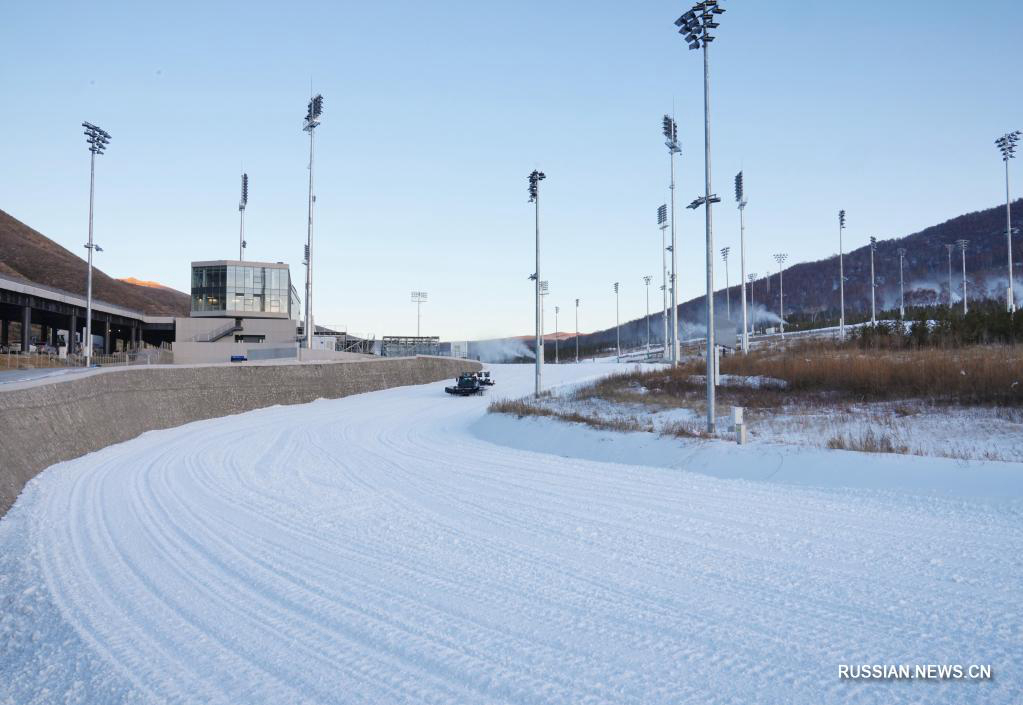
[{"x": 739, "y": 425}]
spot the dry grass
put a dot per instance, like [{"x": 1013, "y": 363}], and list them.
[
  {"x": 868, "y": 442},
  {"x": 521, "y": 408},
  {"x": 991, "y": 374}
]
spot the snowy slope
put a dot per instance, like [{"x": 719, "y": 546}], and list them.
[{"x": 372, "y": 549}]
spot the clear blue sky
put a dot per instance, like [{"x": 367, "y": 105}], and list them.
[{"x": 436, "y": 112}]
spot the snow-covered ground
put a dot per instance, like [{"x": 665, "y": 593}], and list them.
[{"x": 379, "y": 548}]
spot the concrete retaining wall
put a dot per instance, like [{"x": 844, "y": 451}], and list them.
[{"x": 47, "y": 423}]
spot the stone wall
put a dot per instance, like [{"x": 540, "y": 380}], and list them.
[{"x": 46, "y": 423}]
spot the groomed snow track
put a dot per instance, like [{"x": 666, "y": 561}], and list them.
[{"x": 371, "y": 550}]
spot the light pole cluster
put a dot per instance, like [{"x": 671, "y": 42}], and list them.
[
  {"x": 419, "y": 298},
  {"x": 1007, "y": 146},
  {"x": 312, "y": 120},
  {"x": 97, "y": 139}
]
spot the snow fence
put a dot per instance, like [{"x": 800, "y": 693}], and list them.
[{"x": 48, "y": 422}]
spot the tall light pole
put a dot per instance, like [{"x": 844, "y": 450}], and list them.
[
  {"x": 534, "y": 197},
  {"x": 873, "y": 280},
  {"x": 244, "y": 201},
  {"x": 752, "y": 276},
  {"x": 618, "y": 326},
  {"x": 902, "y": 289},
  {"x": 1007, "y": 146},
  {"x": 841, "y": 276},
  {"x": 577, "y": 330},
  {"x": 780, "y": 259},
  {"x": 312, "y": 120},
  {"x": 696, "y": 25},
  {"x": 962, "y": 247},
  {"x": 740, "y": 199},
  {"x": 662, "y": 223},
  {"x": 97, "y": 139},
  {"x": 950, "y": 247},
  {"x": 557, "y": 310},
  {"x": 728, "y": 294},
  {"x": 646, "y": 280},
  {"x": 419, "y": 298},
  {"x": 670, "y": 131}
]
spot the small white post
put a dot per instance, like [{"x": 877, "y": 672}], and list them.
[{"x": 738, "y": 425}]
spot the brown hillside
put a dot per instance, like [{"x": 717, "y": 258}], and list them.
[{"x": 30, "y": 255}]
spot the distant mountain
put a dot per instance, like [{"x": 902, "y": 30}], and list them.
[{"x": 31, "y": 256}]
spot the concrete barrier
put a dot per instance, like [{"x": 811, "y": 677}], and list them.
[{"x": 51, "y": 421}]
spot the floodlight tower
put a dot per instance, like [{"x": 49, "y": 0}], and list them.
[
  {"x": 950, "y": 247},
  {"x": 647, "y": 280},
  {"x": 97, "y": 139},
  {"x": 873, "y": 281},
  {"x": 241, "y": 212},
  {"x": 752, "y": 276},
  {"x": 662, "y": 223},
  {"x": 534, "y": 197},
  {"x": 728, "y": 294},
  {"x": 780, "y": 259},
  {"x": 841, "y": 276},
  {"x": 577, "y": 330},
  {"x": 696, "y": 25},
  {"x": 902, "y": 289},
  {"x": 962, "y": 247},
  {"x": 419, "y": 298},
  {"x": 618, "y": 326},
  {"x": 670, "y": 131},
  {"x": 557, "y": 310},
  {"x": 740, "y": 199},
  {"x": 1007, "y": 146},
  {"x": 312, "y": 120}
]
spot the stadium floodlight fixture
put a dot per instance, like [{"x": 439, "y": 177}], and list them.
[
  {"x": 618, "y": 326},
  {"x": 557, "y": 310},
  {"x": 962, "y": 243},
  {"x": 902, "y": 289},
  {"x": 577, "y": 330},
  {"x": 419, "y": 298},
  {"x": 728, "y": 293},
  {"x": 662, "y": 224},
  {"x": 841, "y": 275},
  {"x": 873, "y": 282},
  {"x": 780, "y": 258},
  {"x": 97, "y": 138},
  {"x": 534, "y": 179},
  {"x": 740, "y": 201},
  {"x": 646, "y": 280},
  {"x": 670, "y": 132},
  {"x": 242, "y": 202},
  {"x": 314, "y": 111},
  {"x": 1007, "y": 146}
]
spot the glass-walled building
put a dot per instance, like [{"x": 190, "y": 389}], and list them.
[{"x": 243, "y": 289}]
